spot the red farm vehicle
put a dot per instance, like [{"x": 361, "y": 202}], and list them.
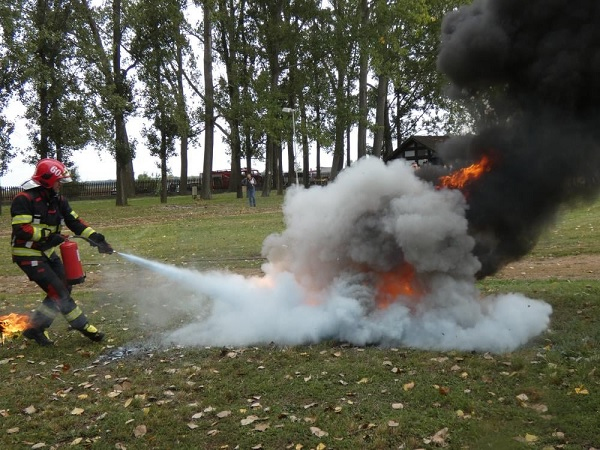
[{"x": 221, "y": 178}]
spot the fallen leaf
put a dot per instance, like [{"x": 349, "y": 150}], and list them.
[
  {"x": 439, "y": 438},
  {"x": 261, "y": 427},
  {"x": 197, "y": 415},
  {"x": 443, "y": 390},
  {"x": 310, "y": 405},
  {"x": 397, "y": 406},
  {"x": 38, "y": 445},
  {"x": 581, "y": 390},
  {"x": 248, "y": 420},
  {"x": 77, "y": 411},
  {"x": 391, "y": 423},
  {"x": 223, "y": 414},
  {"x": 318, "y": 432},
  {"x": 140, "y": 431},
  {"x": 321, "y": 446},
  {"x": 522, "y": 397},
  {"x": 192, "y": 426},
  {"x": 538, "y": 407},
  {"x": 30, "y": 410},
  {"x": 13, "y": 430},
  {"x": 441, "y": 359},
  {"x": 363, "y": 381},
  {"x": 212, "y": 432},
  {"x": 76, "y": 441},
  {"x": 408, "y": 386},
  {"x": 531, "y": 438}
]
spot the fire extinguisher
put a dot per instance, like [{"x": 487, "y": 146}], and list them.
[{"x": 72, "y": 262}]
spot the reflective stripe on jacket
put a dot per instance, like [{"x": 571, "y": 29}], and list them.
[{"x": 36, "y": 213}]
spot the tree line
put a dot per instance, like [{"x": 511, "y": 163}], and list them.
[{"x": 83, "y": 68}]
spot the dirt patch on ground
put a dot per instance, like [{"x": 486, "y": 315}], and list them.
[
  {"x": 567, "y": 268},
  {"x": 563, "y": 268}
]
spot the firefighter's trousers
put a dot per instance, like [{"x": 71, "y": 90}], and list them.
[{"x": 50, "y": 276}]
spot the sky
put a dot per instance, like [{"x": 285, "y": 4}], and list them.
[{"x": 93, "y": 165}]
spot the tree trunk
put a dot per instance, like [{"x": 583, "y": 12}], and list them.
[
  {"x": 183, "y": 124},
  {"x": 209, "y": 120},
  {"x": 362, "y": 82},
  {"x": 269, "y": 167},
  {"x": 123, "y": 154},
  {"x": 291, "y": 160},
  {"x": 279, "y": 169},
  {"x": 388, "y": 148},
  {"x": 305, "y": 152},
  {"x": 380, "y": 115},
  {"x": 164, "y": 186},
  {"x": 337, "y": 162}
]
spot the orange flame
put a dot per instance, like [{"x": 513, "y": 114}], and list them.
[
  {"x": 458, "y": 179},
  {"x": 13, "y": 323},
  {"x": 400, "y": 282}
]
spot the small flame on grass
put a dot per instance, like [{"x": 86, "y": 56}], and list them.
[{"x": 12, "y": 324}]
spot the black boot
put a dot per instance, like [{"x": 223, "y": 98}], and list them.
[
  {"x": 92, "y": 333},
  {"x": 38, "y": 335}
]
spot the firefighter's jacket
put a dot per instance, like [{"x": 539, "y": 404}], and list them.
[{"x": 37, "y": 213}]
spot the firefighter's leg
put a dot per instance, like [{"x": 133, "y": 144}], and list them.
[
  {"x": 79, "y": 321},
  {"x": 67, "y": 306},
  {"x": 41, "y": 273}
]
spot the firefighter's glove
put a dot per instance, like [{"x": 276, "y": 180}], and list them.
[
  {"x": 52, "y": 240},
  {"x": 99, "y": 241}
]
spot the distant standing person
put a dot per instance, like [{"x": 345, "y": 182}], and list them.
[{"x": 250, "y": 184}]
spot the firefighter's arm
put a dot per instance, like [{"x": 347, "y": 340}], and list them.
[
  {"x": 25, "y": 230},
  {"x": 22, "y": 221},
  {"x": 81, "y": 228},
  {"x": 99, "y": 241},
  {"x": 72, "y": 220}
]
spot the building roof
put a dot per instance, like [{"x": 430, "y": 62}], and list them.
[{"x": 418, "y": 141}]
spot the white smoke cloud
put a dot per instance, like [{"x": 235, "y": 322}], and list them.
[{"x": 321, "y": 278}]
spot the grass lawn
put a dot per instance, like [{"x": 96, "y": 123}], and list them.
[{"x": 128, "y": 393}]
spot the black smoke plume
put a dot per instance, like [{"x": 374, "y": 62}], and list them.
[{"x": 532, "y": 71}]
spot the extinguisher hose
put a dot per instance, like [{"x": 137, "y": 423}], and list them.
[{"x": 92, "y": 243}]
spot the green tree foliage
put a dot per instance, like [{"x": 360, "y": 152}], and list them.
[
  {"x": 81, "y": 68},
  {"x": 44, "y": 74},
  {"x": 101, "y": 34},
  {"x": 155, "y": 46}
]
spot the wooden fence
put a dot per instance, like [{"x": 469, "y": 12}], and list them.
[{"x": 105, "y": 189}]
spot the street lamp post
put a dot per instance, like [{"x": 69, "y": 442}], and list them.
[{"x": 292, "y": 110}]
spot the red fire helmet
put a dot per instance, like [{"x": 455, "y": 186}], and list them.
[{"x": 48, "y": 171}]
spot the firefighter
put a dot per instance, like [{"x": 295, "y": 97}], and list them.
[{"x": 38, "y": 213}]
